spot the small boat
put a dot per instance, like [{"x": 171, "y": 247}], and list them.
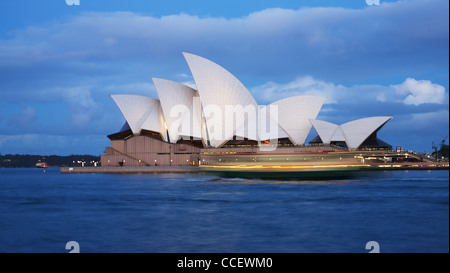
[{"x": 41, "y": 165}]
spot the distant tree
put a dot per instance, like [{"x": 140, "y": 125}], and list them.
[
  {"x": 442, "y": 152},
  {"x": 29, "y": 161}
]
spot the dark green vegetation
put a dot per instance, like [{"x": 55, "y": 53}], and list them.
[
  {"x": 442, "y": 152},
  {"x": 29, "y": 161}
]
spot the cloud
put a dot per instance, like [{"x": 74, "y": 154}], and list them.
[
  {"x": 26, "y": 117},
  {"x": 333, "y": 44},
  {"x": 411, "y": 91},
  {"x": 427, "y": 121},
  {"x": 327, "y": 42},
  {"x": 357, "y": 58},
  {"x": 183, "y": 75},
  {"x": 418, "y": 130},
  {"x": 418, "y": 92},
  {"x": 426, "y": 118},
  {"x": 81, "y": 105},
  {"x": 271, "y": 91}
]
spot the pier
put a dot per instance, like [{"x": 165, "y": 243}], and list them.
[{"x": 132, "y": 169}]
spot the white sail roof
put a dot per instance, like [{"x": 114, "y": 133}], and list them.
[
  {"x": 354, "y": 133},
  {"x": 141, "y": 112},
  {"x": 155, "y": 121},
  {"x": 357, "y": 131},
  {"x": 225, "y": 100},
  {"x": 269, "y": 128},
  {"x": 294, "y": 114},
  {"x": 181, "y": 109},
  {"x": 223, "y": 107},
  {"x": 326, "y": 130},
  {"x": 338, "y": 135}
]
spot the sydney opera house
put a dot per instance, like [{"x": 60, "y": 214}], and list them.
[{"x": 219, "y": 123}]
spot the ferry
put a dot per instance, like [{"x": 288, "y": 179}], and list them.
[{"x": 41, "y": 165}]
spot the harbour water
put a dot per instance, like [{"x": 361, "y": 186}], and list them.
[{"x": 403, "y": 211}]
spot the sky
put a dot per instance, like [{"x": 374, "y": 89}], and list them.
[{"x": 59, "y": 63}]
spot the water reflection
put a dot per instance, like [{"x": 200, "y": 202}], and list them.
[{"x": 299, "y": 182}]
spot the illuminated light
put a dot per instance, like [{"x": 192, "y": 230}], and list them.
[{"x": 324, "y": 166}]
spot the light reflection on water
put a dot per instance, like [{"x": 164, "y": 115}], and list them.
[{"x": 291, "y": 182}]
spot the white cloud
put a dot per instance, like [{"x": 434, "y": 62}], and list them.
[
  {"x": 307, "y": 85},
  {"x": 409, "y": 92},
  {"x": 419, "y": 92},
  {"x": 183, "y": 75},
  {"x": 303, "y": 39}
]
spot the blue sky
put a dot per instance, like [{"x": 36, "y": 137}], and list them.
[{"x": 59, "y": 63}]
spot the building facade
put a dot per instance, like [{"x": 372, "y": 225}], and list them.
[{"x": 220, "y": 122}]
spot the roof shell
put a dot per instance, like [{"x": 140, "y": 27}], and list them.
[
  {"x": 269, "y": 128},
  {"x": 354, "y": 133},
  {"x": 295, "y": 113},
  {"x": 182, "y": 114},
  {"x": 325, "y": 129},
  {"x": 141, "y": 112},
  {"x": 219, "y": 91},
  {"x": 357, "y": 131},
  {"x": 338, "y": 135},
  {"x": 155, "y": 121}
]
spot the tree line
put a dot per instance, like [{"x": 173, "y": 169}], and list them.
[{"x": 29, "y": 161}]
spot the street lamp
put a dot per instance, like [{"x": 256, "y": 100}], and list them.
[
  {"x": 82, "y": 162},
  {"x": 95, "y": 162}
]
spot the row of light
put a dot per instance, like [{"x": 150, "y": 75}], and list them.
[{"x": 82, "y": 162}]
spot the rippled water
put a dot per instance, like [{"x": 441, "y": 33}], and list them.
[{"x": 404, "y": 211}]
